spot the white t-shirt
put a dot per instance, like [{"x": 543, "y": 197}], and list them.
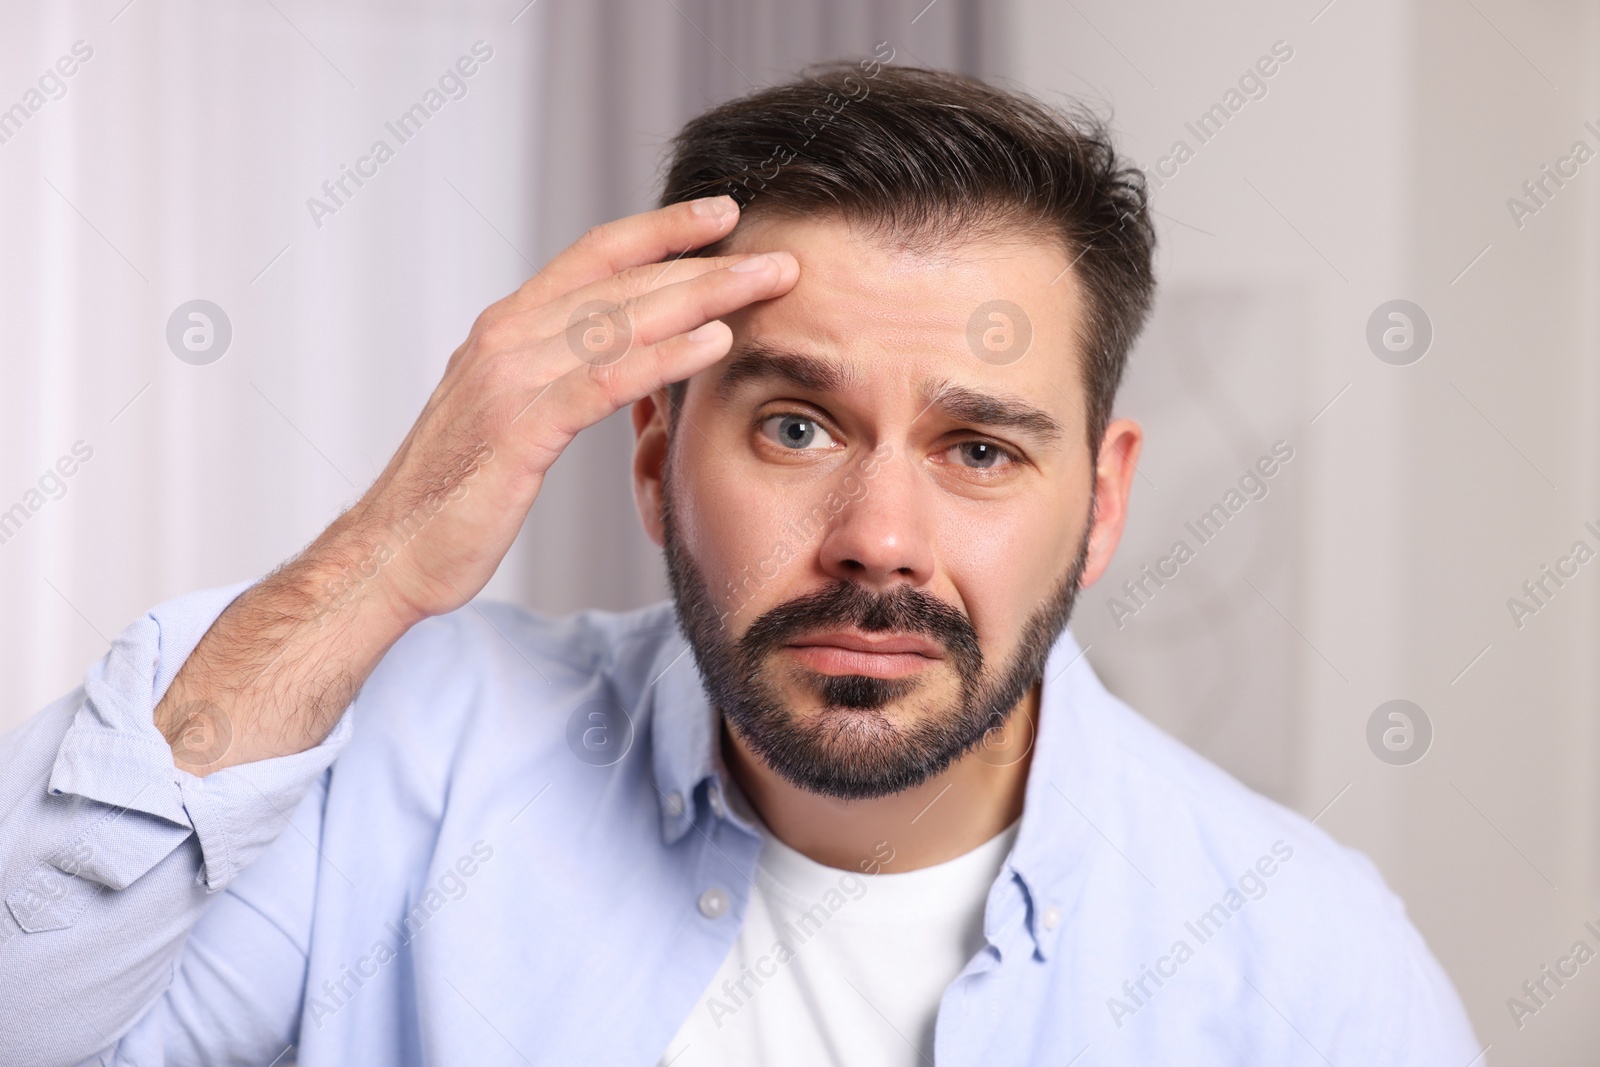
[{"x": 841, "y": 967}]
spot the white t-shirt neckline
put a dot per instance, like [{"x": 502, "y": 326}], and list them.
[{"x": 833, "y": 965}]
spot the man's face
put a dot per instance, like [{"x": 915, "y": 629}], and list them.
[{"x": 874, "y": 530}]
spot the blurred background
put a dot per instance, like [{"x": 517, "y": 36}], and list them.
[{"x": 1443, "y": 449}]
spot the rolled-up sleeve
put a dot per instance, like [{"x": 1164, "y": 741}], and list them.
[{"x": 110, "y": 853}]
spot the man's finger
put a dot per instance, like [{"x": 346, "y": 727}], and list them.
[
  {"x": 612, "y": 247},
  {"x": 674, "y": 309},
  {"x": 599, "y": 332},
  {"x": 584, "y": 303},
  {"x": 585, "y": 396}
]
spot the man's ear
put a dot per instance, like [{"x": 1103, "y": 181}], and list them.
[
  {"x": 1113, "y": 483},
  {"x": 650, "y": 460}
]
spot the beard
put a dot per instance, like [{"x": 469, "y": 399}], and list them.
[{"x": 849, "y": 747}]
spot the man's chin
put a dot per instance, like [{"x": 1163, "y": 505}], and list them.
[
  {"x": 844, "y": 736},
  {"x": 902, "y": 700}
]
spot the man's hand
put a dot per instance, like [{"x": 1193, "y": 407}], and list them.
[{"x": 613, "y": 318}]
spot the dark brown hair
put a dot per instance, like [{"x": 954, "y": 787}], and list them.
[{"x": 926, "y": 156}]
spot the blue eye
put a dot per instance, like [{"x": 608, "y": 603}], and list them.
[
  {"x": 796, "y": 431},
  {"x": 982, "y": 455}
]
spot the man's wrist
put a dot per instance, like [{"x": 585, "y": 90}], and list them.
[{"x": 347, "y": 579}]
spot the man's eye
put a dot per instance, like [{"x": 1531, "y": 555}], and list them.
[
  {"x": 982, "y": 455},
  {"x": 796, "y": 431}
]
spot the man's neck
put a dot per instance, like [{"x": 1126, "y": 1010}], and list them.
[{"x": 947, "y": 816}]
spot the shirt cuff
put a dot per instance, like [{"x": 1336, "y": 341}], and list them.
[{"x": 114, "y": 755}]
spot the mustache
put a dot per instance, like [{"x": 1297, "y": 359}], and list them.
[{"x": 904, "y": 609}]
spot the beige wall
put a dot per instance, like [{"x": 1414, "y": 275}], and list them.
[{"x": 1377, "y": 166}]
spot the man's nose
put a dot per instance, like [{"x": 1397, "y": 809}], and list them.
[{"x": 883, "y": 536}]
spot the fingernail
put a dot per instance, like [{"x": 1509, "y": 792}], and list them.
[
  {"x": 761, "y": 262},
  {"x": 706, "y": 332},
  {"x": 716, "y": 207}
]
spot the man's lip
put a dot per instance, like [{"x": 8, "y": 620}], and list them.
[{"x": 879, "y": 644}]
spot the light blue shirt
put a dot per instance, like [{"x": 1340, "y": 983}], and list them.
[{"x": 513, "y": 849}]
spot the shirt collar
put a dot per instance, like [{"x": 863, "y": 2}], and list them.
[
  {"x": 1055, "y": 841},
  {"x": 682, "y": 732}
]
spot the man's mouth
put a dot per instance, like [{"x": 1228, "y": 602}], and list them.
[{"x": 885, "y": 655}]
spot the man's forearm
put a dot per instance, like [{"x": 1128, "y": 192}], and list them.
[{"x": 279, "y": 666}]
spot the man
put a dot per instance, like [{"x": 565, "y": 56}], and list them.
[{"x": 853, "y": 797}]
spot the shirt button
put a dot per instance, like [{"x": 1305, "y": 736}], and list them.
[
  {"x": 718, "y": 808},
  {"x": 1051, "y": 917},
  {"x": 674, "y": 804},
  {"x": 714, "y": 903}
]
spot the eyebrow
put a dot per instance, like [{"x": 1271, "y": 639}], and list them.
[
  {"x": 762, "y": 361},
  {"x": 961, "y": 404}
]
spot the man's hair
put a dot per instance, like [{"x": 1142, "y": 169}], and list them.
[{"x": 926, "y": 156}]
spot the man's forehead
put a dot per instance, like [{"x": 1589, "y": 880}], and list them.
[
  {"x": 848, "y": 262},
  {"x": 866, "y": 305}
]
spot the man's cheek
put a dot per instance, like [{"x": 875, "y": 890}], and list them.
[
  {"x": 746, "y": 569},
  {"x": 998, "y": 603},
  {"x": 772, "y": 565}
]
